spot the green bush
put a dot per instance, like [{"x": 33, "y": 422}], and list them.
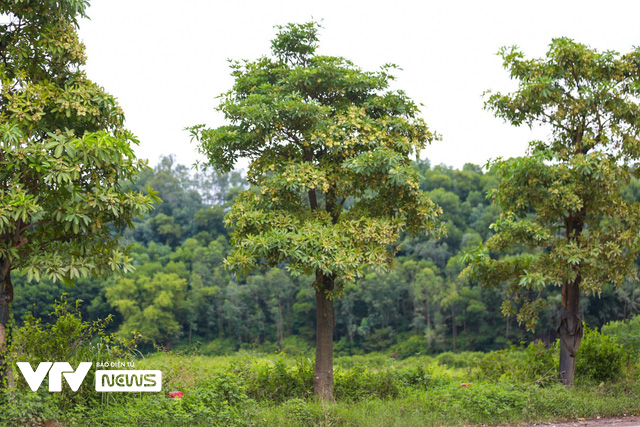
[
  {"x": 217, "y": 401},
  {"x": 378, "y": 340},
  {"x": 373, "y": 360},
  {"x": 628, "y": 334},
  {"x": 495, "y": 365},
  {"x": 492, "y": 402},
  {"x": 219, "y": 347},
  {"x": 67, "y": 339},
  {"x": 416, "y": 377},
  {"x": 464, "y": 359},
  {"x": 344, "y": 347},
  {"x": 296, "y": 346},
  {"x": 298, "y": 412},
  {"x": 412, "y": 346},
  {"x": 599, "y": 357},
  {"x": 535, "y": 363},
  {"x": 540, "y": 363},
  {"x": 24, "y": 407},
  {"x": 276, "y": 381},
  {"x": 361, "y": 382}
]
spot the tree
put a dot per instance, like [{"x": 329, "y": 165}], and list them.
[
  {"x": 319, "y": 132},
  {"x": 152, "y": 305},
  {"x": 65, "y": 156},
  {"x": 563, "y": 201}
]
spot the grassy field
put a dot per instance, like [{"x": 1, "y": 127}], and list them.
[
  {"x": 511, "y": 386},
  {"x": 376, "y": 390},
  {"x": 379, "y": 391}
]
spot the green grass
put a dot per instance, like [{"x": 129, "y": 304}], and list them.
[
  {"x": 490, "y": 404},
  {"x": 248, "y": 388},
  {"x": 270, "y": 390}
]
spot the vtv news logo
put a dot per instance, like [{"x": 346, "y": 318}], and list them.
[
  {"x": 56, "y": 371},
  {"x": 106, "y": 380}
]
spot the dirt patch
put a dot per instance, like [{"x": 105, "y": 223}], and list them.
[{"x": 598, "y": 422}]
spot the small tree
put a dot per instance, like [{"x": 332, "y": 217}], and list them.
[
  {"x": 333, "y": 188},
  {"x": 64, "y": 154},
  {"x": 563, "y": 201}
]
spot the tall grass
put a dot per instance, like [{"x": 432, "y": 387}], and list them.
[{"x": 510, "y": 386}]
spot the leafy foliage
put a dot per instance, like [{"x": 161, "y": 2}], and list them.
[
  {"x": 319, "y": 131},
  {"x": 67, "y": 338},
  {"x": 600, "y": 357},
  {"x": 627, "y": 333},
  {"x": 271, "y": 310},
  {"x": 65, "y": 155}
]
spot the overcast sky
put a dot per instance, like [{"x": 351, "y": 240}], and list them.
[{"x": 166, "y": 61}]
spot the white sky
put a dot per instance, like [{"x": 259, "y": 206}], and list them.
[{"x": 166, "y": 61}]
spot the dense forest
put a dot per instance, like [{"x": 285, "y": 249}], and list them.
[{"x": 180, "y": 293}]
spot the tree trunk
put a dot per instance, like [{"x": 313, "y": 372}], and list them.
[
  {"x": 508, "y": 324},
  {"x": 6, "y": 296},
  {"x": 323, "y": 376},
  {"x": 453, "y": 328},
  {"x": 426, "y": 304},
  {"x": 280, "y": 324},
  {"x": 569, "y": 330},
  {"x": 220, "y": 320}
]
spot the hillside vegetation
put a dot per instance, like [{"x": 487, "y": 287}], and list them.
[{"x": 180, "y": 293}]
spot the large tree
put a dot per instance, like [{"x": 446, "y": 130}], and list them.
[
  {"x": 65, "y": 157},
  {"x": 563, "y": 202},
  {"x": 333, "y": 188}
]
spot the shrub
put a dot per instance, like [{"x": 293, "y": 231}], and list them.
[
  {"x": 344, "y": 347},
  {"x": 275, "y": 381},
  {"x": 378, "y": 340},
  {"x": 219, "y": 347},
  {"x": 361, "y": 382},
  {"x": 301, "y": 413},
  {"x": 465, "y": 359},
  {"x": 599, "y": 357},
  {"x": 535, "y": 363},
  {"x": 491, "y": 402},
  {"x": 540, "y": 363},
  {"x": 416, "y": 377},
  {"x": 372, "y": 360},
  {"x": 628, "y": 334},
  {"x": 496, "y": 364},
  {"x": 295, "y": 346},
  {"x": 67, "y": 339},
  {"x": 218, "y": 401},
  {"x": 414, "y": 345}
]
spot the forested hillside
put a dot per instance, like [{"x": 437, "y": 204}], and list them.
[{"x": 180, "y": 293}]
